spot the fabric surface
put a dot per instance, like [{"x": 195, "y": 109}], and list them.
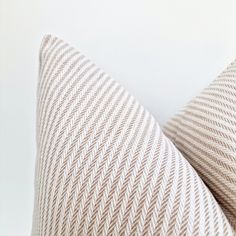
[
  {"x": 205, "y": 132},
  {"x": 104, "y": 167}
]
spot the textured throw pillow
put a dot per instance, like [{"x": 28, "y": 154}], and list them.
[
  {"x": 104, "y": 167},
  {"x": 205, "y": 132}
]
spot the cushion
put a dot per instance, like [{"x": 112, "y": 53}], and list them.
[
  {"x": 205, "y": 132},
  {"x": 104, "y": 167}
]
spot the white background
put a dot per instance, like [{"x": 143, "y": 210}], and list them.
[{"x": 163, "y": 51}]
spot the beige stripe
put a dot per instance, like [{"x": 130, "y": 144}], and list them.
[
  {"x": 88, "y": 134},
  {"x": 205, "y": 133},
  {"x": 104, "y": 166}
]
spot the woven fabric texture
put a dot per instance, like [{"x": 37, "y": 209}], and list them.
[
  {"x": 104, "y": 167},
  {"x": 205, "y": 132}
]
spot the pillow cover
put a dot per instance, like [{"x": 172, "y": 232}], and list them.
[
  {"x": 104, "y": 167},
  {"x": 205, "y": 132}
]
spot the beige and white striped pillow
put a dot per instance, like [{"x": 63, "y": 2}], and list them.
[
  {"x": 104, "y": 167},
  {"x": 205, "y": 132}
]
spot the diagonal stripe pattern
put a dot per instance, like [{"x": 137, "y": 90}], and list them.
[
  {"x": 205, "y": 132},
  {"x": 104, "y": 167}
]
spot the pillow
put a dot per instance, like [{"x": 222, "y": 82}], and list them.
[
  {"x": 205, "y": 132},
  {"x": 104, "y": 167}
]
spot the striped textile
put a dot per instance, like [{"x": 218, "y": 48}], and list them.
[
  {"x": 205, "y": 132},
  {"x": 104, "y": 167}
]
